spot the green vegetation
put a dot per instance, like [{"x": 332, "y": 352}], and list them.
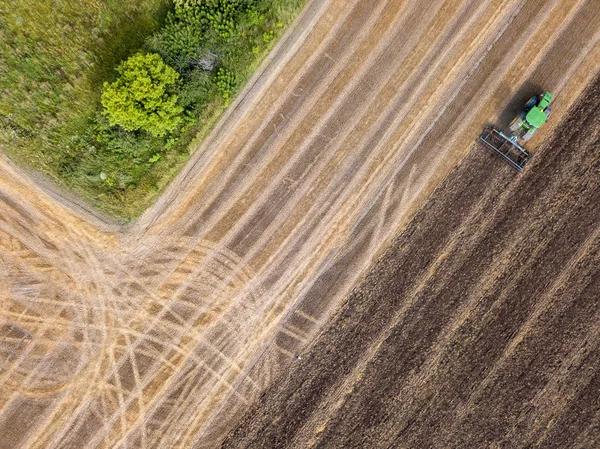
[
  {"x": 108, "y": 97},
  {"x": 143, "y": 96}
]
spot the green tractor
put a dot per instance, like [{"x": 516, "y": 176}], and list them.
[{"x": 523, "y": 127}]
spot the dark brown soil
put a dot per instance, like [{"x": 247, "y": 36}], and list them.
[{"x": 478, "y": 328}]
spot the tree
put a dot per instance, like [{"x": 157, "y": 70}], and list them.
[{"x": 143, "y": 97}]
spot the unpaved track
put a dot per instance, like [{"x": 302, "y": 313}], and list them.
[
  {"x": 163, "y": 333},
  {"x": 479, "y": 327}
]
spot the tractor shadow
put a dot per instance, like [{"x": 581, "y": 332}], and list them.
[{"x": 516, "y": 102}]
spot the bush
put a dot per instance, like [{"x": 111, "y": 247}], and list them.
[
  {"x": 198, "y": 91},
  {"x": 181, "y": 36},
  {"x": 143, "y": 97},
  {"x": 195, "y": 24},
  {"x": 226, "y": 83}
]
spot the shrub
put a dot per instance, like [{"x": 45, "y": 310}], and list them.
[
  {"x": 195, "y": 24},
  {"x": 226, "y": 83},
  {"x": 198, "y": 91},
  {"x": 143, "y": 97},
  {"x": 182, "y": 34}
]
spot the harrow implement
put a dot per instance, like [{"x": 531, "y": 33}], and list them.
[{"x": 506, "y": 147}]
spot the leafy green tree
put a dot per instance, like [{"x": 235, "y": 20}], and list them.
[{"x": 143, "y": 97}]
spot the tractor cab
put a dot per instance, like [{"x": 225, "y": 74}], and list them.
[
  {"x": 538, "y": 114},
  {"x": 534, "y": 115}
]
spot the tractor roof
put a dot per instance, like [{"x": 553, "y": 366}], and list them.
[
  {"x": 536, "y": 117},
  {"x": 545, "y": 100}
]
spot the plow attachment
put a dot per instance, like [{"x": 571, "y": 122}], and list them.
[{"x": 505, "y": 147}]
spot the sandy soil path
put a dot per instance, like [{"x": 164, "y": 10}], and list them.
[{"x": 163, "y": 333}]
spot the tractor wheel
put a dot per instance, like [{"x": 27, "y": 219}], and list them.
[
  {"x": 531, "y": 103},
  {"x": 547, "y": 111}
]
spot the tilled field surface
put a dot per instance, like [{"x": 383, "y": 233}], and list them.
[{"x": 478, "y": 328}]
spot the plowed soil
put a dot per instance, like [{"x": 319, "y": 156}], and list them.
[
  {"x": 162, "y": 333},
  {"x": 478, "y": 328}
]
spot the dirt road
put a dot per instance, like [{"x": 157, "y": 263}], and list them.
[
  {"x": 163, "y": 333},
  {"x": 479, "y": 327}
]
